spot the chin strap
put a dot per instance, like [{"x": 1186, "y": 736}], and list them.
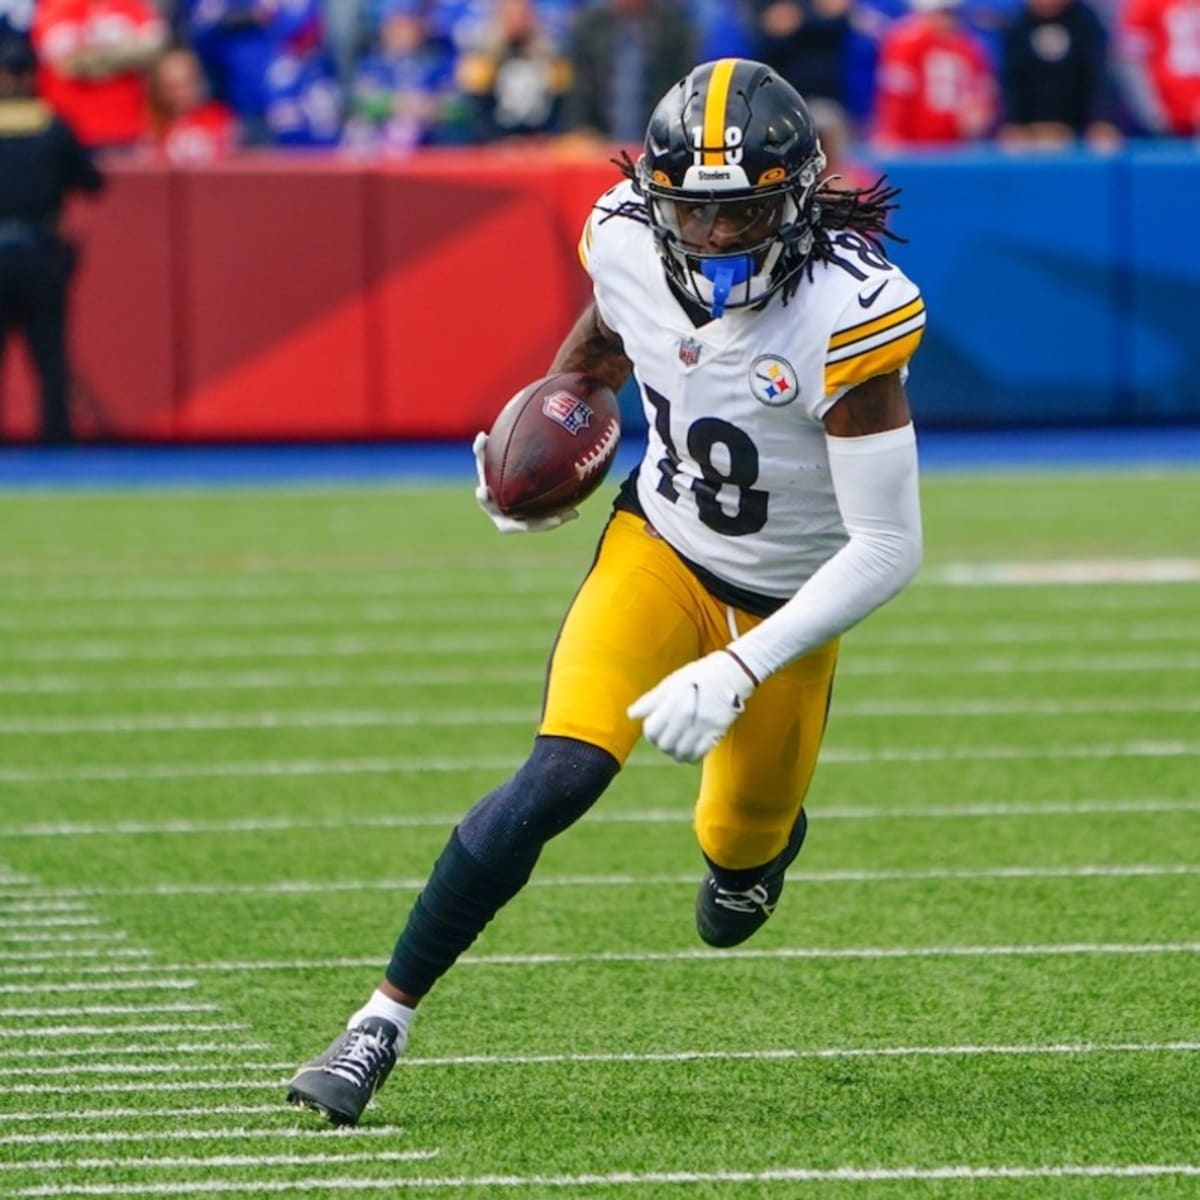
[{"x": 723, "y": 274}]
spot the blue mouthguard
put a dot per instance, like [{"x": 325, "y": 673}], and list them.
[{"x": 723, "y": 273}]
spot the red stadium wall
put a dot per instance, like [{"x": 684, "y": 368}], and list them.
[{"x": 296, "y": 298}]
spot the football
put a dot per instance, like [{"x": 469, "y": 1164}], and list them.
[{"x": 552, "y": 445}]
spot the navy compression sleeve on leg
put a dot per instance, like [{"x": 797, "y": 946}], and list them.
[{"x": 492, "y": 853}]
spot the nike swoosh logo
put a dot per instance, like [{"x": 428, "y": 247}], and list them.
[{"x": 867, "y": 301}]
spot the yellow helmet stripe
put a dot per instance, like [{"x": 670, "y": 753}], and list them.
[{"x": 714, "y": 111}]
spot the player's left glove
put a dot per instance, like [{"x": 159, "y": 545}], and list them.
[
  {"x": 688, "y": 713},
  {"x": 507, "y": 524}
]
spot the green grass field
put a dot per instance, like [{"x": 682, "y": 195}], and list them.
[{"x": 236, "y": 728}]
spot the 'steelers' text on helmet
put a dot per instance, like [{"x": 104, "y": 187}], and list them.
[{"x": 729, "y": 174}]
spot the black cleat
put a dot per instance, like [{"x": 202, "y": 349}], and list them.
[
  {"x": 726, "y": 918},
  {"x": 340, "y": 1083}
]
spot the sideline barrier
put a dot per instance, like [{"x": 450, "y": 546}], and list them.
[{"x": 310, "y": 297}]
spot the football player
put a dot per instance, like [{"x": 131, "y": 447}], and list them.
[{"x": 775, "y": 507}]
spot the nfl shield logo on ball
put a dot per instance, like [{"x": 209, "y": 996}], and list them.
[{"x": 569, "y": 411}]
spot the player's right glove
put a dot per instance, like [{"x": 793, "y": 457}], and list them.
[
  {"x": 502, "y": 522},
  {"x": 691, "y": 710}
]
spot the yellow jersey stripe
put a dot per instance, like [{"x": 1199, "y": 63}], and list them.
[
  {"x": 585, "y": 243},
  {"x": 714, "y": 111},
  {"x": 891, "y": 356},
  {"x": 877, "y": 324}
]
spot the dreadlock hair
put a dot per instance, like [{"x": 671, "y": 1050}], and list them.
[{"x": 865, "y": 211}]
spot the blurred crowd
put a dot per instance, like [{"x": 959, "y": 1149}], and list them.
[{"x": 193, "y": 80}]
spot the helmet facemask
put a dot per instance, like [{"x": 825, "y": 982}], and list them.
[{"x": 768, "y": 231}]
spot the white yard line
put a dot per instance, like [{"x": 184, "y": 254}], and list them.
[
  {"x": 68, "y": 922},
  {"x": 285, "y": 889},
  {"x": 67, "y": 1031},
  {"x": 281, "y": 613},
  {"x": 92, "y": 936},
  {"x": 1080, "y": 572},
  {"x": 280, "y": 1071},
  {"x": 271, "y": 719},
  {"x": 107, "y": 1010},
  {"x": 196, "y": 613},
  {"x": 165, "y": 985},
  {"x": 117, "y": 1136},
  {"x": 704, "y": 955},
  {"x": 470, "y": 643},
  {"x": 268, "y": 720},
  {"x": 253, "y": 680},
  {"x": 218, "y": 1161},
  {"x": 870, "y": 812},
  {"x": 123, "y": 580},
  {"x": 827, "y": 1052},
  {"x": 782, "y": 1054},
  {"x": 119, "y": 1114},
  {"x": 628, "y": 1178},
  {"x": 342, "y": 608},
  {"x": 320, "y": 679},
  {"x": 109, "y": 954},
  {"x": 833, "y": 756},
  {"x": 298, "y": 618},
  {"x": 81, "y": 588},
  {"x": 55, "y": 1053},
  {"x": 1041, "y": 664},
  {"x": 468, "y": 640},
  {"x": 452, "y": 646},
  {"x": 786, "y": 1054}
]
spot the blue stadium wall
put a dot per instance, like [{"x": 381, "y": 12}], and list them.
[{"x": 1062, "y": 290}]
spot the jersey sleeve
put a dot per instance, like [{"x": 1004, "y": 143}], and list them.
[
  {"x": 600, "y": 258},
  {"x": 876, "y": 333},
  {"x": 588, "y": 238}
]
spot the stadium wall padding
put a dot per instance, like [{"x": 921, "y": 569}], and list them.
[{"x": 314, "y": 297}]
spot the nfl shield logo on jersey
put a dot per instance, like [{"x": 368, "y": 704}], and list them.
[
  {"x": 773, "y": 381},
  {"x": 569, "y": 411},
  {"x": 689, "y": 352}
]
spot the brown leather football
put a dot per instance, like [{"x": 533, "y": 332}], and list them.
[{"x": 551, "y": 445}]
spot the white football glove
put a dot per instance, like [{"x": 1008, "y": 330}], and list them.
[
  {"x": 505, "y": 523},
  {"x": 688, "y": 713}
]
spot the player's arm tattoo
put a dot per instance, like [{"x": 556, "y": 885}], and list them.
[
  {"x": 594, "y": 349},
  {"x": 874, "y": 406}
]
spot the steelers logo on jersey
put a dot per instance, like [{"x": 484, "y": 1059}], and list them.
[{"x": 773, "y": 381}]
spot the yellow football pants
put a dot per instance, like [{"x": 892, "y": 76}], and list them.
[{"x": 639, "y": 615}]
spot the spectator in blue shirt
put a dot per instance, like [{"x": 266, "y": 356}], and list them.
[
  {"x": 403, "y": 95},
  {"x": 239, "y": 40}
]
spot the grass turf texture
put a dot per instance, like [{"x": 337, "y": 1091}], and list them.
[{"x": 235, "y": 728}]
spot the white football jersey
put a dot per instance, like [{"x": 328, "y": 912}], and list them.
[{"x": 735, "y": 475}]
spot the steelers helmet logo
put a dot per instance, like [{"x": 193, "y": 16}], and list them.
[{"x": 773, "y": 381}]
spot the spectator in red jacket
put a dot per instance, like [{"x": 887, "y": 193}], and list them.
[
  {"x": 94, "y": 58},
  {"x": 189, "y": 126},
  {"x": 1159, "y": 53},
  {"x": 936, "y": 85}
]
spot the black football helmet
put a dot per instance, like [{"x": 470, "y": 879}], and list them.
[{"x": 729, "y": 175}]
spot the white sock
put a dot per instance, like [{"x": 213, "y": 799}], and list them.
[{"x": 381, "y": 1005}]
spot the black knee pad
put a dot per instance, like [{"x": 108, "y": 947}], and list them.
[{"x": 559, "y": 781}]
